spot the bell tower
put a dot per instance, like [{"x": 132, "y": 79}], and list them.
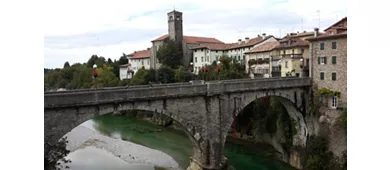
[{"x": 175, "y": 25}]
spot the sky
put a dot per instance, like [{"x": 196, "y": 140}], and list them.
[{"x": 76, "y": 30}]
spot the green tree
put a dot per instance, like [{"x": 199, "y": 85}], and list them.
[
  {"x": 109, "y": 61},
  {"x": 165, "y": 75},
  {"x": 140, "y": 77},
  {"x": 66, "y": 64},
  {"x": 182, "y": 75},
  {"x": 170, "y": 54},
  {"x": 91, "y": 61}
]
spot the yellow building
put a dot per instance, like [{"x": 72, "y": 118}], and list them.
[{"x": 291, "y": 57}]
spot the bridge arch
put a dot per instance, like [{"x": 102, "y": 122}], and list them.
[{"x": 291, "y": 99}]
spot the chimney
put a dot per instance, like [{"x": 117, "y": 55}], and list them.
[
  {"x": 315, "y": 32},
  {"x": 264, "y": 35},
  {"x": 246, "y": 39},
  {"x": 148, "y": 49},
  {"x": 135, "y": 52},
  {"x": 258, "y": 35}
]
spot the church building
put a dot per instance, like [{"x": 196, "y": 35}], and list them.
[{"x": 175, "y": 32}]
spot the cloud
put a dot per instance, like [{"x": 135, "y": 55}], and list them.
[{"x": 74, "y": 30}]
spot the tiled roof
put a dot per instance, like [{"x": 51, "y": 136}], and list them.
[
  {"x": 291, "y": 42},
  {"x": 140, "y": 54},
  {"x": 335, "y": 24},
  {"x": 327, "y": 36},
  {"x": 268, "y": 46},
  {"x": 251, "y": 42},
  {"x": 192, "y": 39},
  {"x": 125, "y": 65}
]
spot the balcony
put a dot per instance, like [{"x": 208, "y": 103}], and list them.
[{"x": 292, "y": 55}]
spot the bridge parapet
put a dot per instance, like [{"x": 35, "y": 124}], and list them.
[{"x": 94, "y": 97}]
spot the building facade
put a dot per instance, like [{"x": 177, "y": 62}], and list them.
[
  {"x": 329, "y": 65},
  {"x": 206, "y": 54},
  {"x": 139, "y": 59},
  {"x": 124, "y": 72},
  {"x": 259, "y": 59}
]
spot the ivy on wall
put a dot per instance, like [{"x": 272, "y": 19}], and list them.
[{"x": 327, "y": 92}]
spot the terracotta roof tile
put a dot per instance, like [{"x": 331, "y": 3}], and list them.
[
  {"x": 291, "y": 42},
  {"x": 268, "y": 46},
  {"x": 192, "y": 39},
  {"x": 337, "y": 23},
  {"x": 140, "y": 54},
  {"x": 250, "y": 42},
  {"x": 125, "y": 65}
]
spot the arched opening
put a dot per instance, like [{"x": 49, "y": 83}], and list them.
[
  {"x": 268, "y": 124},
  {"x": 165, "y": 135}
]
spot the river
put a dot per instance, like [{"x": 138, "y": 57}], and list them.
[{"x": 118, "y": 142}]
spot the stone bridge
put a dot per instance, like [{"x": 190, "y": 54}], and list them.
[{"x": 205, "y": 110}]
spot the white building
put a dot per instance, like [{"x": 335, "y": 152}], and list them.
[
  {"x": 123, "y": 74},
  {"x": 259, "y": 59},
  {"x": 139, "y": 59},
  {"x": 206, "y": 54}
]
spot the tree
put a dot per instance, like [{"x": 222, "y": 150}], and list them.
[
  {"x": 109, "y": 61},
  {"x": 140, "y": 77},
  {"x": 170, "y": 54},
  {"x": 66, "y": 65},
  {"x": 182, "y": 75},
  {"x": 92, "y": 60},
  {"x": 165, "y": 75}
]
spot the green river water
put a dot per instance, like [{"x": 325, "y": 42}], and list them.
[{"x": 242, "y": 156}]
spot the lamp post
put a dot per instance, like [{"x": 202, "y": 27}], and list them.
[
  {"x": 192, "y": 71},
  {"x": 94, "y": 74},
  {"x": 218, "y": 69}
]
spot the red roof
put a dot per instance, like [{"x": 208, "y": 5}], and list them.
[
  {"x": 249, "y": 43},
  {"x": 292, "y": 42},
  {"x": 125, "y": 65},
  {"x": 338, "y": 24},
  {"x": 268, "y": 46},
  {"x": 140, "y": 54},
  {"x": 192, "y": 39}
]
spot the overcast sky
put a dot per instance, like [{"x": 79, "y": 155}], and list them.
[{"x": 75, "y": 30}]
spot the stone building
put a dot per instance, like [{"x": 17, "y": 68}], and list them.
[
  {"x": 329, "y": 64},
  {"x": 175, "y": 32}
]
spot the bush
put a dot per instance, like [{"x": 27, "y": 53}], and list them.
[
  {"x": 342, "y": 119},
  {"x": 319, "y": 158}
]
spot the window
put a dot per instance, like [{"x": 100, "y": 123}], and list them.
[
  {"x": 286, "y": 64},
  {"x": 284, "y": 51},
  {"x": 334, "y": 60},
  {"x": 201, "y": 59},
  {"x": 322, "y": 76},
  {"x": 238, "y": 57},
  {"x": 216, "y": 58},
  {"x": 331, "y": 33},
  {"x": 201, "y": 50},
  {"x": 334, "y": 76},
  {"x": 302, "y": 50},
  {"x": 207, "y": 51},
  {"x": 322, "y": 60},
  {"x": 216, "y": 51},
  {"x": 322, "y": 46},
  {"x": 148, "y": 62},
  {"x": 334, "y": 101},
  {"x": 196, "y": 60},
  {"x": 334, "y": 45},
  {"x": 195, "y": 50},
  {"x": 243, "y": 57},
  {"x": 142, "y": 62}
]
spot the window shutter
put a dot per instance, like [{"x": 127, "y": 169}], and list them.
[
  {"x": 325, "y": 59},
  {"x": 319, "y": 60}
]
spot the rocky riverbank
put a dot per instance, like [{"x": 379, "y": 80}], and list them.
[{"x": 84, "y": 136}]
